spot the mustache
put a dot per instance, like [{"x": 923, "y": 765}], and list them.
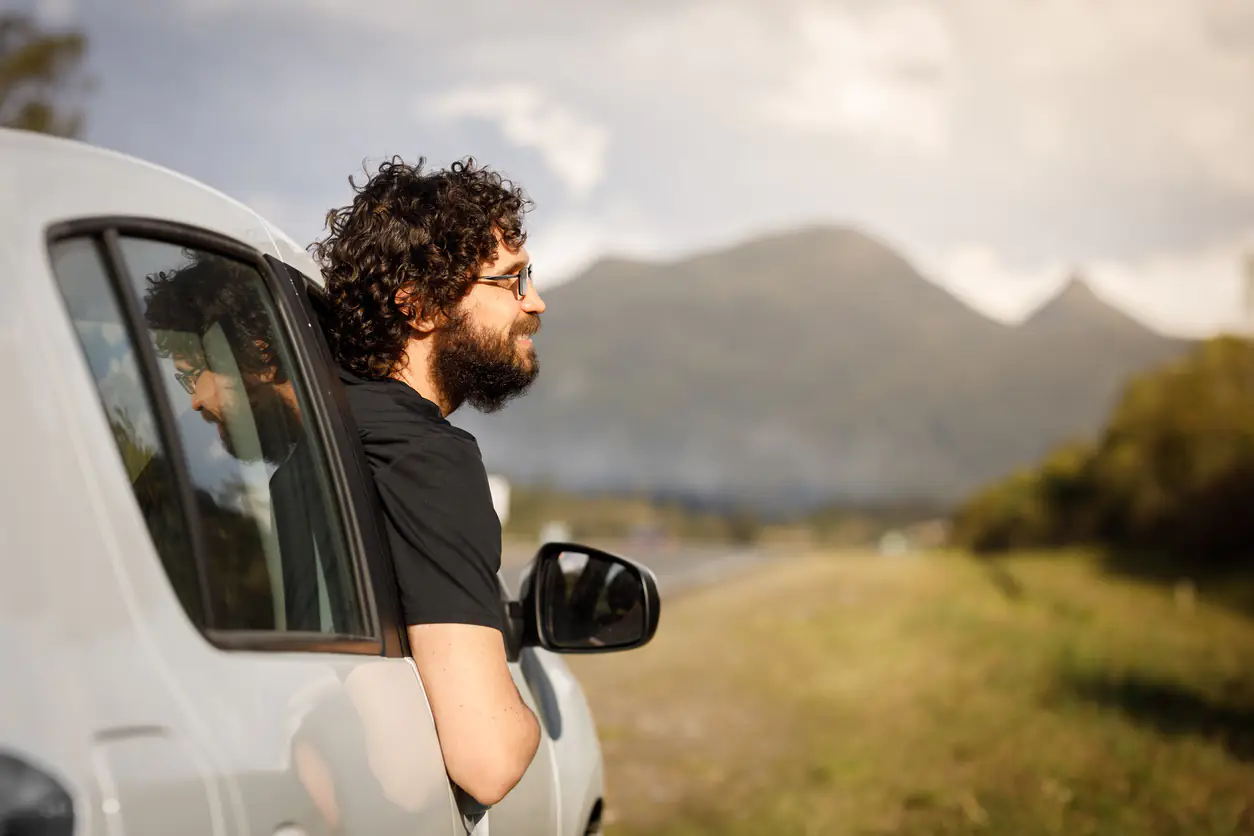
[{"x": 527, "y": 327}]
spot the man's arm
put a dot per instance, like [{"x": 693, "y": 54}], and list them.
[
  {"x": 445, "y": 540},
  {"x": 487, "y": 734}
]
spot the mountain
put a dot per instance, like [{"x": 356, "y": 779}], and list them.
[
  {"x": 1076, "y": 308},
  {"x": 802, "y": 368}
]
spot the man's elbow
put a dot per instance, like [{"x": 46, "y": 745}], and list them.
[
  {"x": 489, "y": 786},
  {"x": 495, "y": 770}
]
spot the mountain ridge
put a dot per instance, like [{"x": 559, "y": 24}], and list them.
[
  {"x": 809, "y": 366},
  {"x": 1073, "y": 283}
]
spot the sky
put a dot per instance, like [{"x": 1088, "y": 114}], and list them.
[{"x": 1001, "y": 145}]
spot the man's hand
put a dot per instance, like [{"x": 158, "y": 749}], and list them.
[{"x": 487, "y": 734}]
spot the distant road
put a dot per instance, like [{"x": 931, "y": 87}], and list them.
[{"x": 679, "y": 566}]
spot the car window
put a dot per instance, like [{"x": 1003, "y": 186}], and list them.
[
  {"x": 101, "y": 327},
  {"x": 274, "y": 551}
]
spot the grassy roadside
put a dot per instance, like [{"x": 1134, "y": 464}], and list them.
[{"x": 847, "y": 694}]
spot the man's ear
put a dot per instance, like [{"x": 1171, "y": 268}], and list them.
[
  {"x": 422, "y": 321},
  {"x": 427, "y": 324}
]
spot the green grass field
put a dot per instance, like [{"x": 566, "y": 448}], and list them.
[{"x": 844, "y": 693}]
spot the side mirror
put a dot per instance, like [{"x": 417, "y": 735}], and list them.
[{"x": 578, "y": 599}]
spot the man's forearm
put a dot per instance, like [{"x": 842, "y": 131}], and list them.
[{"x": 488, "y": 735}]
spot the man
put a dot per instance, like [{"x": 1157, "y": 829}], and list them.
[{"x": 431, "y": 307}]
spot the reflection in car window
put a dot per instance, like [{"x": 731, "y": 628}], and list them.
[
  {"x": 276, "y": 556},
  {"x": 101, "y": 329}
]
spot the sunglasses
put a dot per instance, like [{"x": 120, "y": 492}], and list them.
[{"x": 523, "y": 278}]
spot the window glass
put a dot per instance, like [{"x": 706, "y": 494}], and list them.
[
  {"x": 276, "y": 558},
  {"x": 80, "y": 271}
]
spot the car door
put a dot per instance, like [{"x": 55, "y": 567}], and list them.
[
  {"x": 287, "y": 650},
  {"x": 532, "y": 807}
]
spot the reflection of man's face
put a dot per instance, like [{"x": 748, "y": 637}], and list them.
[
  {"x": 214, "y": 396},
  {"x": 226, "y": 401}
]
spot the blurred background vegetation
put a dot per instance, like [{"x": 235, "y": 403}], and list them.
[
  {"x": 1165, "y": 487},
  {"x": 41, "y": 76}
]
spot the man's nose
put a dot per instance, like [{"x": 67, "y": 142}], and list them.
[
  {"x": 533, "y": 302},
  {"x": 198, "y": 400}
]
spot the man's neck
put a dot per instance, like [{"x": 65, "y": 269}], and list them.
[{"x": 417, "y": 374}]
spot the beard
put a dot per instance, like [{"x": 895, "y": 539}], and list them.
[
  {"x": 481, "y": 368},
  {"x": 278, "y": 428}
]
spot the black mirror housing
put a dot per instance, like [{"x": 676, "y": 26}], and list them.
[{"x": 577, "y": 599}]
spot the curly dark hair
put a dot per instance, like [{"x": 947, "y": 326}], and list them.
[
  {"x": 423, "y": 233},
  {"x": 180, "y": 306}
]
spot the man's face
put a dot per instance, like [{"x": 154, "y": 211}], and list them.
[{"x": 484, "y": 355}]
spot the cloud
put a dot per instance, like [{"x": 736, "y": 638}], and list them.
[
  {"x": 979, "y": 275},
  {"x": 1195, "y": 292},
  {"x": 719, "y": 48},
  {"x": 113, "y": 334},
  {"x": 1123, "y": 89},
  {"x": 563, "y": 245},
  {"x": 122, "y": 394},
  {"x": 883, "y": 74},
  {"x": 56, "y": 12},
  {"x": 1191, "y": 292},
  {"x": 876, "y": 73},
  {"x": 285, "y": 214},
  {"x": 572, "y": 147},
  {"x": 1127, "y": 88}
]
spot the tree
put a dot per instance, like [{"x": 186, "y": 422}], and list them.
[
  {"x": 1176, "y": 463},
  {"x": 40, "y": 75},
  {"x": 1172, "y": 473}
]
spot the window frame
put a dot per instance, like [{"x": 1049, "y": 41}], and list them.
[
  {"x": 326, "y": 423},
  {"x": 302, "y": 294}
]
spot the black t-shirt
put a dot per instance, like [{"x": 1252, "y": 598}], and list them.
[{"x": 441, "y": 525}]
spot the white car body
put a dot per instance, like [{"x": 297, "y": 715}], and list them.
[{"x": 106, "y": 685}]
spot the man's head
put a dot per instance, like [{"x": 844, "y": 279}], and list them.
[
  {"x": 435, "y": 258},
  {"x": 209, "y": 317}
]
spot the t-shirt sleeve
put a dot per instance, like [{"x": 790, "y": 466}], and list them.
[{"x": 444, "y": 534}]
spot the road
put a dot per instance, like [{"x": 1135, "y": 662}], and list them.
[{"x": 677, "y": 566}]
